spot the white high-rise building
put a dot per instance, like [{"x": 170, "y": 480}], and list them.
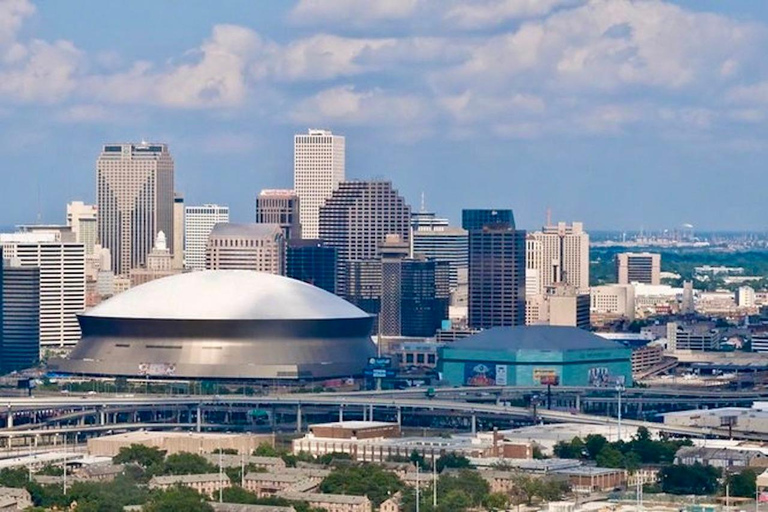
[
  {"x": 135, "y": 201},
  {"x": 560, "y": 255},
  {"x": 178, "y": 231},
  {"x": 83, "y": 219},
  {"x": 62, "y": 283},
  {"x": 198, "y": 224},
  {"x": 318, "y": 167}
]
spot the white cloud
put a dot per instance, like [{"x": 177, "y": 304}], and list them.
[
  {"x": 217, "y": 76},
  {"x": 319, "y": 57},
  {"x": 490, "y": 13},
  {"x": 570, "y": 66},
  {"x": 347, "y": 105},
  {"x": 12, "y": 15},
  {"x": 46, "y": 73},
  {"x": 353, "y": 12}
]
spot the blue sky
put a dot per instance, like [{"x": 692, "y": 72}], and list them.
[{"x": 620, "y": 114}]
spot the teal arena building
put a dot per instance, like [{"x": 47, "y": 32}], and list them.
[{"x": 535, "y": 355}]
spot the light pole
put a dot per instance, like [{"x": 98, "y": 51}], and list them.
[{"x": 619, "y": 390}]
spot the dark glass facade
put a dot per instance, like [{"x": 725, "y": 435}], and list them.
[
  {"x": 477, "y": 219},
  {"x": 496, "y": 276},
  {"x": 313, "y": 262},
  {"x": 425, "y": 295},
  {"x": 19, "y": 316}
]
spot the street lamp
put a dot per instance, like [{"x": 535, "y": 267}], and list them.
[{"x": 619, "y": 390}]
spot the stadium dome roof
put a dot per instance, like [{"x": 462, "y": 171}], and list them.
[{"x": 226, "y": 295}]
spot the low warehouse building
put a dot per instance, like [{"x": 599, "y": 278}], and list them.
[{"x": 535, "y": 355}]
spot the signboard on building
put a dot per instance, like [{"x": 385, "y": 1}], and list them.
[
  {"x": 546, "y": 376},
  {"x": 485, "y": 374}
]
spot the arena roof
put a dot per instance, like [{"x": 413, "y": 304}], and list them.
[
  {"x": 535, "y": 337},
  {"x": 226, "y": 295}
]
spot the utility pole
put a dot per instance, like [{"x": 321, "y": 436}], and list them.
[
  {"x": 221, "y": 476},
  {"x": 619, "y": 389},
  {"x": 418, "y": 495},
  {"x": 434, "y": 481}
]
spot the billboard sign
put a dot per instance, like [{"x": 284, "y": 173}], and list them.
[
  {"x": 379, "y": 362},
  {"x": 546, "y": 376},
  {"x": 485, "y": 374}
]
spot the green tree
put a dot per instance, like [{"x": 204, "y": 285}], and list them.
[
  {"x": 694, "y": 479},
  {"x": 496, "y": 501},
  {"x": 367, "y": 480},
  {"x": 51, "y": 470},
  {"x": 266, "y": 450},
  {"x": 14, "y": 477},
  {"x": 573, "y": 449},
  {"x": 610, "y": 457},
  {"x": 225, "y": 451},
  {"x": 451, "y": 460},
  {"x": 743, "y": 484},
  {"x": 184, "y": 463},
  {"x": 144, "y": 456},
  {"x": 178, "y": 499},
  {"x": 594, "y": 443},
  {"x": 237, "y": 494}
]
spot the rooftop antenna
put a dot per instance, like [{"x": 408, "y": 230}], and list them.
[{"x": 423, "y": 202}]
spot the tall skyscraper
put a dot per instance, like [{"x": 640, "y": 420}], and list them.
[
  {"x": 435, "y": 239},
  {"x": 313, "y": 262},
  {"x": 318, "y": 167},
  {"x": 279, "y": 207},
  {"x": 496, "y": 270},
  {"x": 638, "y": 267},
  {"x": 178, "y": 231},
  {"x": 414, "y": 292},
  {"x": 259, "y": 247},
  {"x": 19, "y": 315},
  {"x": 62, "y": 282},
  {"x": 357, "y": 218},
  {"x": 559, "y": 254},
  {"x": 135, "y": 201},
  {"x": 83, "y": 219},
  {"x": 198, "y": 224}
]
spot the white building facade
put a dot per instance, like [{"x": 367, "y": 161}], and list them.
[
  {"x": 62, "y": 283},
  {"x": 318, "y": 167},
  {"x": 198, "y": 224}
]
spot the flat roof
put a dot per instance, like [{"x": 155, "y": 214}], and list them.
[
  {"x": 354, "y": 424},
  {"x": 535, "y": 337}
]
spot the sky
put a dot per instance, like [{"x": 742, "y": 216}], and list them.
[{"x": 620, "y": 114}]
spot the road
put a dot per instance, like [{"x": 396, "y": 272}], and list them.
[{"x": 438, "y": 405}]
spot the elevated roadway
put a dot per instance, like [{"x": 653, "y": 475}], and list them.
[{"x": 91, "y": 404}]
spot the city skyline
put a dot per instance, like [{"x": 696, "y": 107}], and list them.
[{"x": 571, "y": 105}]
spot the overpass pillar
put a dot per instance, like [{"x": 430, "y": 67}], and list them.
[
  {"x": 102, "y": 417},
  {"x": 298, "y": 418},
  {"x": 9, "y": 420},
  {"x": 199, "y": 418},
  {"x": 341, "y": 413},
  {"x": 365, "y": 412},
  {"x": 399, "y": 416},
  {"x": 474, "y": 423},
  {"x": 370, "y": 412},
  {"x": 578, "y": 402}
]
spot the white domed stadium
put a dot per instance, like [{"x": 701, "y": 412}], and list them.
[{"x": 223, "y": 324}]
